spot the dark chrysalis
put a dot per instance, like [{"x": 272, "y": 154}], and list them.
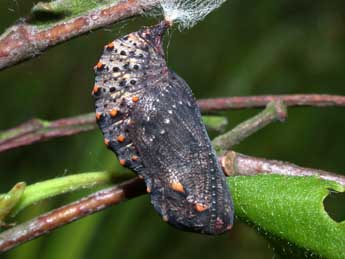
[{"x": 150, "y": 119}]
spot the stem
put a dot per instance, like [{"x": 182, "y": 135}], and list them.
[
  {"x": 9, "y": 200},
  {"x": 273, "y": 112},
  {"x": 215, "y": 123},
  {"x": 69, "y": 213},
  {"x": 236, "y": 164},
  {"x": 319, "y": 100},
  {"x": 37, "y": 130},
  {"x": 50, "y": 188},
  {"x": 24, "y": 41}
]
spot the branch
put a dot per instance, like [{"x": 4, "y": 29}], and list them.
[
  {"x": 319, "y": 100},
  {"x": 236, "y": 164},
  {"x": 275, "y": 111},
  {"x": 56, "y": 218},
  {"x": 24, "y": 41},
  {"x": 233, "y": 164},
  {"x": 37, "y": 130}
]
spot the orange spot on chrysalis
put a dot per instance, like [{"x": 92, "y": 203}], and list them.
[
  {"x": 113, "y": 112},
  {"x": 177, "y": 186},
  {"x": 135, "y": 158},
  {"x": 98, "y": 115},
  {"x": 106, "y": 141},
  {"x": 199, "y": 207},
  {"x": 135, "y": 99},
  {"x": 122, "y": 162},
  {"x": 95, "y": 89},
  {"x": 110, "y": 46},
  {"x": 99, "y": 65},
  {"x": 148, "y": 190},
  {"x": 121, "y": 138}
]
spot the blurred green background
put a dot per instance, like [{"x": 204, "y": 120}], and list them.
[{"x": 243, "y": 48}]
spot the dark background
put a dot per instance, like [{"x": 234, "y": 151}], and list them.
[{"x": 243, "y": 48}]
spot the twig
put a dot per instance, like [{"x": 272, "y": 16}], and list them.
[
  {"x": 234, "y": 164},
  {"x": 23, "y": 40},
  {"x": 38, "y": 130},
  {"x": 273, "y": 112},
  {"x": 69, "y": 213},
  {"x": 320, "y": 100}
]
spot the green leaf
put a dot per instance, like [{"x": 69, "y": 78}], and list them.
[
  {"x": 290, "y": 208},
  {"x": 47, "y": 13},
  {"x": 68, "y": 7}
]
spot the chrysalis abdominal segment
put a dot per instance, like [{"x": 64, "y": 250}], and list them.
[{"x": 150, "y": 119}]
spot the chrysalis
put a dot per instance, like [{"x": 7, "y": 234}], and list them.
[{"x": 150, "y": 119}]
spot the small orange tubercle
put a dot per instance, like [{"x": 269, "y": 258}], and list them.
[
  {"x": 165, "y": 218},
  {"x": 148, "y": 190},
  {"x": 106, "y": 141},
  {"x": 122, "y": 162},
  {"x": 113, "y": 112},
  {"x": 110, "y": 45},
  {"x": 99, "y": 65},
  {"x": 121, "y": 138},
  {"x": 95, "y": 89},
  {"x": 135, "y": 158},
  {"x": 177, "y": 186},
  {"x": 135, "y": 99},
  {"x": 98, "y": 116},
  {"x": 199, "y": 207}
]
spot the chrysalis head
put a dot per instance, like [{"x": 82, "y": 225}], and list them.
[{"x": 154, "y": 35}]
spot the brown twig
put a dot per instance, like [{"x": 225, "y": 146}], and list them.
[
  {"x": 320, "y": 100},
  {"x": 69, "y": 213},
  {"x": 23, "y": 40},
  {"x": 233, "y": 164},
  {"x": 37, "y": 130}
]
